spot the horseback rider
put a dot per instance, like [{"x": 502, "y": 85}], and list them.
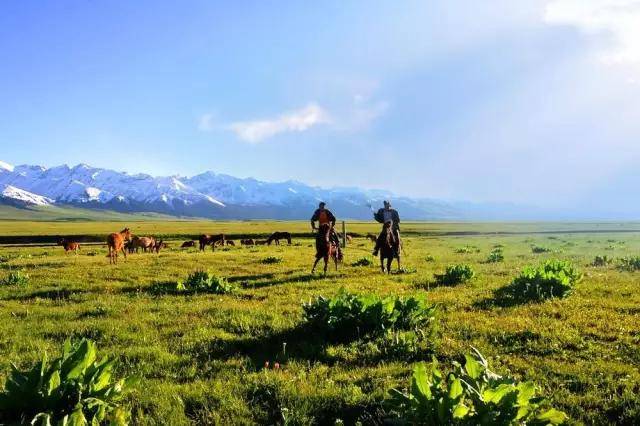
[
  {"x": 324, "y": 217},
  {"x": 389, "y": 218}
]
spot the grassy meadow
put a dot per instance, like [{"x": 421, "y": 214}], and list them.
[{"x": 201, "y": 357}]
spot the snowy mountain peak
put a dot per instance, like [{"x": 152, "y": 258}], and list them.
[
  {"x": 20, "y": 195},
  {"x": 6, "y": 166}
]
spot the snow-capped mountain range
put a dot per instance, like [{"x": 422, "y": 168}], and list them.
[{"x": 207, "y": 195}]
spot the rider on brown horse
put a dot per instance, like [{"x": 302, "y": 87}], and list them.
[
  {"x": 387, "y": 215},
  {"x": 324, "y": 216}
]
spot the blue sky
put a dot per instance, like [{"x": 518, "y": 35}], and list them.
[{"x": 529, "y": 101}]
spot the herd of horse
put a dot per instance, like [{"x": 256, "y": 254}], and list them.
[{"x": 125, "y": 242}]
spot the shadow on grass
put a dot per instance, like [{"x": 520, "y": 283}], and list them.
[
  {"x": 302, "y": 278},
  {"x": 505, "y": 297},
  {"x": 56, "y": 294}
]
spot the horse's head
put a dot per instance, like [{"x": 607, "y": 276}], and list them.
[{"x": 126, "y": 234}]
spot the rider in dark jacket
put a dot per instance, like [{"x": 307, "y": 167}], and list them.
[
  {"x": 386, "y": 216},
  {"x": 324, "y": 216}
]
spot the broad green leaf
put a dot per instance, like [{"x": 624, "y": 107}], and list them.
[
  {"x": 552, "y": 416},
  {"x": 460, "y": 411},
  {"x": 472, "y": 367},
  {"x": 420, "y": 382},
  {"x": 455, "y": 388}
]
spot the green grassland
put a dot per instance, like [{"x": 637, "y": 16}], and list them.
[{"x": 201, "y": 357}]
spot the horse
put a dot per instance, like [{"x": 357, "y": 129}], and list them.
[
  {"x": 206, "y": 240},
  {"x": 144, "y": 243},
  {"x": 325, "y": 248},
  {"x": 231, "y": 243},
  {"x": 247, "y": 242},
  {"x": 160, "y": 245},
  {"x": 115, "y": 242},
  {"x": 349, "y": 238},
  {"x": 277, "y": 236},
  {"x": 188, "y": 244},
  {"x": 69, "y": 245},
  {"x": 389, "y": 245}
]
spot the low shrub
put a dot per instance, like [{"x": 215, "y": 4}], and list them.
[
  {"x": 348, "y": 315},
  {"x": 467, "y": 250},
  {"x": 270, "y": 260},
  {"x": 495, "y": 256},
  {"x": 471, "y": 395},
  {"x": 540, "y": 249},
  {"x": 203, "y": 282},
  {"x": 455, "y": 274},
  {"x": 631, "y": 263},
  {"x": 601, "y": 261},
  {"x": 363, "y": 261},
  {"x": 553, "y": 278},
  {"x": 15, "y": 278},
  {"x": 73, "y": 389}
]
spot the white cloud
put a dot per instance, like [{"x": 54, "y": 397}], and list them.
[
  {"x": 618, "y": 20},
  {"x": 205, "y": 123},
  {"x": 295, "y": 121}
]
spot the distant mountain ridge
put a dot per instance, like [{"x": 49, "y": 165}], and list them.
[{"x": 211, "y": 195}]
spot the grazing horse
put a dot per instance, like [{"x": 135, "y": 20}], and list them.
[
  {"x": 206, "y": 240},
  {"x": 277, "y": 236},
  {"x": 144, "y": 243},
  {"x": 69, "y": 245},
  {"x": 116, "y": 242},
  {"x": 160, "y": 245},
  {"x": 188, "y": 244},
  {"x": 260, "y": 242},
  {"x": 231, "y": 243},
  {"x": 325, "y": 248},
  {"x": 247, "y": 242},
  {"x": 389, "y": 246}
]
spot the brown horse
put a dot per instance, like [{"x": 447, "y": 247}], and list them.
[
  {"x": 277, "y": 236},
  {"x": 247, "y": 242},
  {"x": 160, "y": 245},
  {"x": 116, "y": 242},
  {"x": 389, "y": 245},
  {"x": 69, "y": 245},
  {"x": 188, "y": 244},
  {"x": 211, "y": 240},
  {"x": 144, "y": 243},
  {"x": 325, "y": 248}
]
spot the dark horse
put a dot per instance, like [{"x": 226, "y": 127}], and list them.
[
  {"x": 277, "y": 236},
  {"x": 212, "y": 240},
  {"x": 389, "y": 245},
  {"x": 325, "y": 248}
]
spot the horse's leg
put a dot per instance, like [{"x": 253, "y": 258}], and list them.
[
  {"x": 381, "y": 262},
  {"x": 398, "y": 261},
  {"x": 389, "y": 262},
  {"x": 124, "y": 252},
  {"x": 326, "y": 262},
  {"x": 314, "y": 264},
  {"x": 110, "y": 256}
]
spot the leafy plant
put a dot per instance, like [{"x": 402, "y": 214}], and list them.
[
  {"x": 363, "y": 261},
  {"x": 540, "y": 249},
  {"x": 15, "y": 278},
  {"x": 495, "y": 256},
  {"x": 455, "y": 274},
  {"x": 473, "y": 395},
  {"x": 202, "y": 281},
  {"x": 601, "y": 261},
  {"x": 467, "y": 250},
  {"x": 631, "y": 263},
  {"x": 347, "y": 314},
  {"x": 270, "y": 260},
  {"x": 553, "y": 278},
  {"x": 74, "y": 389}
]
